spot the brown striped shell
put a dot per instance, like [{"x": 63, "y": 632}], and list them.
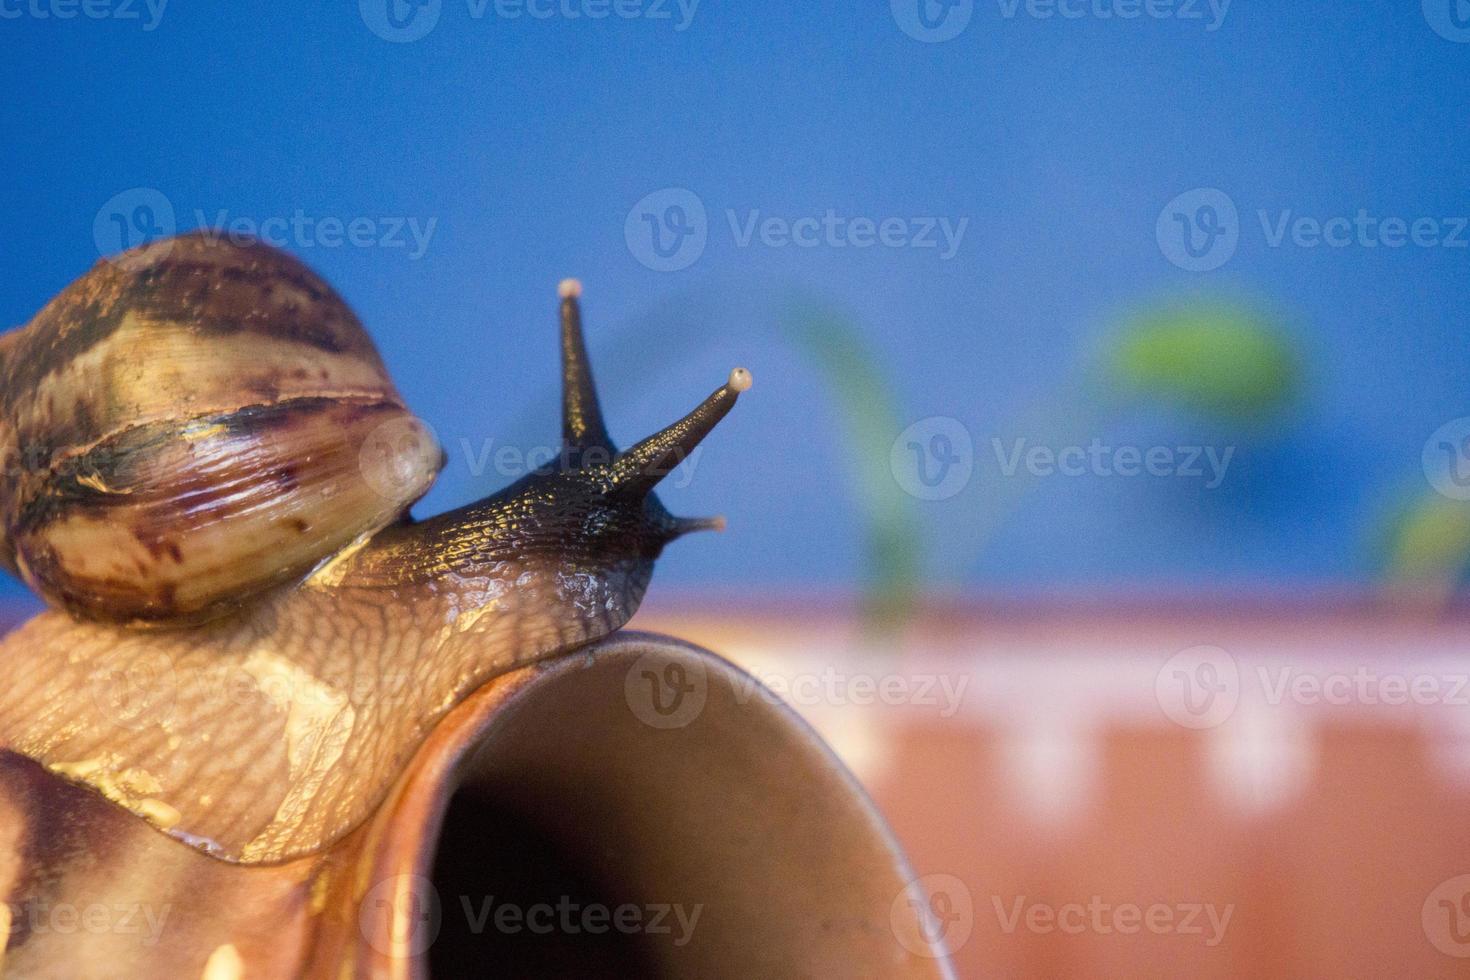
[{"x": 190, "y": 424}]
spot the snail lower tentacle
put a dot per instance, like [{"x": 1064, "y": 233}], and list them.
[{"x": 272, "y": 729}]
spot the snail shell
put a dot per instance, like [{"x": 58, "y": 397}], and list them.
[{"x": 191, "y": 427}]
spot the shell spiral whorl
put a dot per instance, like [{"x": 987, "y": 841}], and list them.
[{"x": 184, "y": 432}]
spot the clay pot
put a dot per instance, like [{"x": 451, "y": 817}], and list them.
[{"x": 626, "y": 810}]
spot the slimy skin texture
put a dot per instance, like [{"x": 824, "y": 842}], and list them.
[
  {"x": 266, "y": 736},
  {"x": 276, "y": 726}
]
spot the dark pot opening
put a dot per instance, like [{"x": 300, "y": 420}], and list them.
[
  {"x": 516, "y": 903},
  {"x": 725, "y": 841}
]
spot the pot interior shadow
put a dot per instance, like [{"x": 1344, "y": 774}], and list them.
[
  {"x": 516, "y": 903},
  {"x": 723, "y": 841}
]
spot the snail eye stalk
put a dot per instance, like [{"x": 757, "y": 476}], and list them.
[
  {"x": 581, "y": 415},
  {"x": 637, "y": 471},
  {"x": 641, "y": 468}
]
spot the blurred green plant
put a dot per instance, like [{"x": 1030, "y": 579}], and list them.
[
  {"x": 892, "y": 547},
  {"x": 1426, "y": 543},
  {"x": 1218, "y": 358}
]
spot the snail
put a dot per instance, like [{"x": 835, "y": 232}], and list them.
[
  {"x": 272, "y": 726},
  {"x": 208, "y": 480}
]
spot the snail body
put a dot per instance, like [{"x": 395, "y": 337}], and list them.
[{"x": 289, "y": 672}]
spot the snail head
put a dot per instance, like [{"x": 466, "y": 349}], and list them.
[{"x": 591, "y": 508}]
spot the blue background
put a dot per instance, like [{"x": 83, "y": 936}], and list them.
[{"x": 529, "y": 141}]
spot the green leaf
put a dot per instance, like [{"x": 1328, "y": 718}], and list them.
[
  {"x": 864, "y": 394},
  {"x": 1429, "y": 541},
  {"x": 1220, "y": 359}
]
